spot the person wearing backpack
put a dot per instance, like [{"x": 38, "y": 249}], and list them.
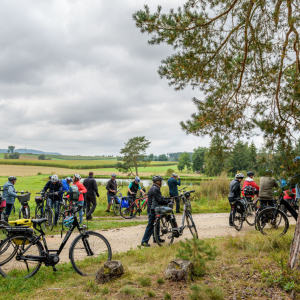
[
  {"x": 249, "y": 181},
  {"x": 76, "y": 194},
  {"x": 92, "y": 191}
]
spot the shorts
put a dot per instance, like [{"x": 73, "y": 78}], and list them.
[{"x": 109, "y": 199}]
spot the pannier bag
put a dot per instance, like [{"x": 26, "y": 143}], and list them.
[
  {"x": 162, "y": 210},
  {"x": 249, "y": 190},
  {"x": 74, "y": 192},
  {"x": 2, "y": 203},
  {"x": 117, "y": 200},
  {"x": 124, "y": 203},
  {"x": 22, "y": 227},
  {"x": 241, "y": 205}
]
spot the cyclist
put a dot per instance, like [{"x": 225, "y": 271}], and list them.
[
  {"x": 234, "y": 192},
  {"x": 249, "y": 181},
  {"x": 134, "y": 187},
  {"x": 92, "y": 191},
  {"x": 111, "y": 187},
  {"x": 66, "y": 184},
  {"x": 173, "y": 189},
  {"x": 82, "y": 190},
  {"x": 267, "y": 183},
  {"x": 154, "y": 199},
  {"x": 54, "y": 185},
  {"x": 9, "y": 193}
]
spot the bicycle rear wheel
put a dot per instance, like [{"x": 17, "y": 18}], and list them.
[
  {"x": 272, "y": 222},
  {"x": 23, "y": 267},
  {"x": 49, "y": 215},
  {"x": 163, "y": 230},
  {"x": 88, "y": 251},
  {"x": 24, "y": 212},
  {"x": 130, "y": 212},
  {"x": 191, "y": 225},
  {"x": 250, "y": 214},
  {"x": 238, "y": 220},
  {"x": 116, "y": 207},
  {"x": 3, "y": 234}
]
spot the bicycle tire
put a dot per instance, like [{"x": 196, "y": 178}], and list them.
[
  {"x": 130, "y": 212},
  {"x": 3, "y": 235},
  {"x": 191, "y": 225},
  {"x": 49, "y": 215},
  {"x": 79, "y": 256},
  {"x": 13, "y": 268},
  {"x": 116, "y": 207},
  {"x": 237, "y": 220},
  {"x": 250, "y": 214},
  {"x": 61, "y": 215},
  {"x": 37, "y": 213},
  {"x": 163, "y": 229},
  {"x": 272, "y": 217},
  {"x": 23, "y": 214}
]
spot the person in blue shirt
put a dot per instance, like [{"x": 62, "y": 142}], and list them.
[
  {"x": 66, "y": 184},
  {"x": 173, "y": 189},
  {"x": 9, "y": 193}
]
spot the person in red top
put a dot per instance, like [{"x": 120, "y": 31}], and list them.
[
  {"x": 82, "y": 190},
  {"x": 288, "y": 195},
  {"x": 250, "y": 181}
]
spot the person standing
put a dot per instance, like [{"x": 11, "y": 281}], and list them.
[
  {"x": 111, "y": 187},
  {"x": 92, "y": 191},
  {"x": 267, "y": 185},
  {"x": 82, "y": 190},
  {"x": 66, "y": 184},
  {"x": 134, "y": 187},
  {"x": 249, "y": 181},
  {"x": 234, "y": 193},
  {"x": 173, "y": 189},
  {"x": 9, "y": 193}
]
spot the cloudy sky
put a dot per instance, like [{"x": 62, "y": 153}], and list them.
[{"x": 78, "y": 77}]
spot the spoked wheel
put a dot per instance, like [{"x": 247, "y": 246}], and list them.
[
  {"x": 250, "y": 214},
  {"x": 3, "y": 234},
  {"x": 272, "y": 222},
  {"x": 191, "y": 225},
  {"x": 24, "y": 212},
  {"x": 14, "y": 263},
  {"x": 116, "y": 206},
  {"x": 61, "y": 215},
  {"x": 163, "y": 230},
  {"x": 89, "y": 251},
  {"x": 38, "y": 212},
  {"x": 49, "y": 215},
  {"x": 130, "y": 212},
  {"x": 238, "y": 220}
]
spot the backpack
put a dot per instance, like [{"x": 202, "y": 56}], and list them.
[
  {"x": 74, "y": 192},
  {"x": 249, "y": 190},
  {"x": 241, "y": 205}
]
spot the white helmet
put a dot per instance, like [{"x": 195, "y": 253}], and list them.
[
  {"x": 54, "y": 178},
  {"x": 239, "y": 175},
  {"x": 77, "y": 176}
]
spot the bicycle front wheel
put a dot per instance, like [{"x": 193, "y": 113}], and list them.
[
  {"x": 191, "y": 225},
  {"x": 23, "y": 267},
  {"x": 88, "y": 251},
  {"x": 129, "y": 212},
  {"x": 3, "y": 234},
  {"x": 116, "y": 207},
  {"x": 163, "y": 230},
  {"x": 49, "y": 215},
  {"x": 250, "y": 214}
]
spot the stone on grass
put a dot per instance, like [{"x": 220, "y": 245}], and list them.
[
  {"x": 179, "y": 270},
  {"x": 110, "y": 270}
]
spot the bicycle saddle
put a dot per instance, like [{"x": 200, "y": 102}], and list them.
[{"x": 39, "y": 221}]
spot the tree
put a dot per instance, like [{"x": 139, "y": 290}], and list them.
[
  {"x": 14, "y": 155},
  {"x": 180, "y": 166},
  {"x": 134, "y": 153},
  {"x": 6, "y": 156},
  {"x": 239, "y": 158},
  {"x": 162, "y": 157},
  {"x": 252, "y": 156},
  {"x": 42, "y": 157},
  {"x": 11, "y": 149},
  {"x": 185, "y": 161},
  {"x": 198, "y": 158}
]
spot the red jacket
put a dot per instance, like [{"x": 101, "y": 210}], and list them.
[
  {"x": 81, "y": 189},
  {"x": 251, "y": 182},
  {"x": 287, "y": 196}
]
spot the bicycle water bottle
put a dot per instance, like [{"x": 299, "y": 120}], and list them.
[{"x": 143, "y": 202}]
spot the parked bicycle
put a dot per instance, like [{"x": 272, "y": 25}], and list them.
[
  {"x": 116, "y": 201},
  {"x": 22, "y": 253},
  {"x": 24, "y": 198},
  {"x": 129, "y": 208},
  {"x": 165, "y": 224},
  {"x": 44, "y": 211}
]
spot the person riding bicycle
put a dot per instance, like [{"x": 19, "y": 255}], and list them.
[
  {"x": 234, "y": 193},
  {"x": 267, "y": 184},
  {"x": 9, "y": 193},
  {"x": 173, "y": 189},
  {"x": 134, "y": 187},
  {"x": 249, "y": 181},
  {"x": 154, "y": 199},
  {"x": 82, "y": 190},
  {"x": 54, "y": 185}
]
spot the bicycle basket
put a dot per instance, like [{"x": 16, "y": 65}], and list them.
[
  {"x": 162, "y": 210},
  {"x": 124, "y": 203},
  {"x": 3, "y": 203},
  {"x": 38, "y": 200},
  {"x": 24, "y": 198},
  {"x": 240, "y": 205},
  {"x": 68, "y": 221}
]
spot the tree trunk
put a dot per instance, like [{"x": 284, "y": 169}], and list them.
[
  {"x": 136, "y": 167},
  {"x": 295, "y": 248}
]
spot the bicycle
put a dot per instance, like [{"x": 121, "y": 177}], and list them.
[
  {"x": 116, "y": 201},
  {"x": 269, "y": 219},
  {"x": 24, "y": 198},
  {"x": 165, "y": 222},
  {"x": 47, "y": 213},
  {"x": 134, "y": 206},
  {"x": 23, "y": 252}
]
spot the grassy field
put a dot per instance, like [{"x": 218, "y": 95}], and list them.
[{"x": 248, "y": 267}]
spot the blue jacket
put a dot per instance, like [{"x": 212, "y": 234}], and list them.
[
  {"x": 66, "y": 187},
  {"x": 173, "y": 183},
  {"x": 9, "y": 193}
]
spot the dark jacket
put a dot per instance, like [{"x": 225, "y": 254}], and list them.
[
  {"x": 267, "y": 185},
  {"x": 234, "y": 190},
  {"x": 173, "y": 183},
  {"x": 111, "y": 185},
  {"x": 53, "y": 188},
  {"x": 155, "y": 199},
  {"x": 91, "y": 185},
  {"x": 134, "y": 187}
]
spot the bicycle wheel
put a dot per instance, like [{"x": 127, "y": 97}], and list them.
[
  {"x": 269, "y": 222},
  {"x": 61, "y": 215},
  {"x": 88, "y": 251},
  {"x": 250, "y": 214},
  {"x": 22, "y": 267},
  {"x": 49, "y": 215},
  {"x": 3, "y": 234},
  {"x": 130, "y": 212},
  {"x": 163, "y": 230},
  {"x": 116, "y": 206},
  {"x": 191, "y": 225},
  {"x": 24, "y": 212},
  {"x": 38, "y": 212},
  {"x": 238, "y": 220}
]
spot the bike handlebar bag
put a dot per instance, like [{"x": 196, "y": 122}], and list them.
[{"x": 38, "y": 199}]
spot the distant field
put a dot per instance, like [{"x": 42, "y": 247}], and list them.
[{"x": 71, "y": 157}]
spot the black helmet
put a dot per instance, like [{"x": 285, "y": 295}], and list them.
[
  {"x": 250, "y": 173},
  {"x": 157, "y": 178},
  {"x": 11, "y": 178}
]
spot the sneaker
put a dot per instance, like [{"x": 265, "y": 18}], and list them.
[{"x": 145, "y": 244}]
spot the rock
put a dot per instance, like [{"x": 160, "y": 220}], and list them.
[
  {"x": 111, "y": 269},
  {"x": 179, "y": 269}
]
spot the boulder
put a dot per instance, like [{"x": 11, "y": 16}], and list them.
[
  {"x": 111, "y": 269},
  {"x": 179, "y": 270}
]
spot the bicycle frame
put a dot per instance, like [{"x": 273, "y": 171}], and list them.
[{"x": 288, "y": 206}]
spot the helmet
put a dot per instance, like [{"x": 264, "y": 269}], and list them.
[
  {"x": 77, "y": 176},
  {"x": 137, "y": 179},
  {"x": 239, "y": 175},
  {"x": 54, "y": 178},
  {"x": 69, "y": 179},
  {"x": 174, "y": 175},
  {"x": 11, "y": 178},
  {"x": 250, "y": 173},
  {"x": 296, "y": 158},
  {"x": 157, "y": 178},
  {"x": 68, "y": 221},
  {"x": 113, "y": 175},
  {"x": 269, "y": 172}
]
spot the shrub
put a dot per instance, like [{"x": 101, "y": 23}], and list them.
[
  {"x": 160, "y": 280},
  {"x": 145, "y": 281},
  {"x": 167, "y": 296},
  {"x": 42, "y": 157},
  {"x": 169, "y": 172},
  {"x": 151, "y": 293},
  {"x": 105, "y": 290},
  {"x": 128, "y": 290},
  {"x": 204, "y": 292},
  {"x": 14, "y": 155}
]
